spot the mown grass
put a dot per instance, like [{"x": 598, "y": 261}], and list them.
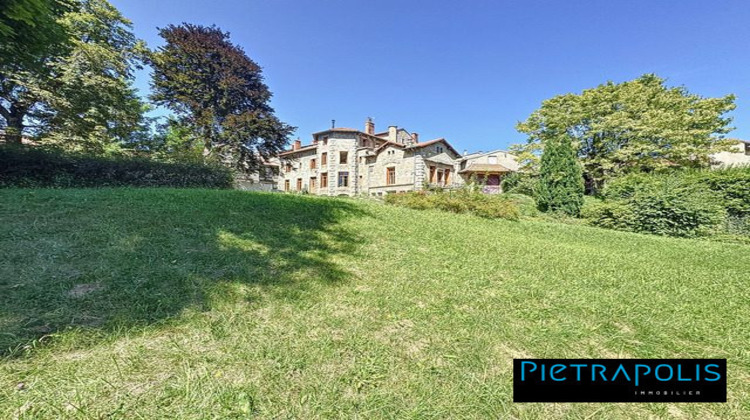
[{"x": 228, "y": 304}]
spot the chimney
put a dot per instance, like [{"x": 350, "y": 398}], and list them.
[
  {"x": 415, "y": 137},
  {"x": 392, "y": 133},
  {"x": 297, "y": 144},
  {"x": 370, "y": 127}
]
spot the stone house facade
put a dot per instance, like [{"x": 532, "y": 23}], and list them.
[
  {"x": 264, "y": 179},
  {"x": 738, "y": 156},
  {"x": 349, "y": 162}
]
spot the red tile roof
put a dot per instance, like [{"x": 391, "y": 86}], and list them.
[
  {"x": 301, "y": 149},
  {"x": 340, "y": 129}
]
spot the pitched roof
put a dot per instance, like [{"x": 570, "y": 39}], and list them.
[
  {"x": 485, "y": 167},
  {"x": 301, "y": 149},
  {"x": 339, "y": 129},
  {"x": 438, "y": 140},
  {"x": 386, "y": 144},
  {"x": 491, "y": 152}
]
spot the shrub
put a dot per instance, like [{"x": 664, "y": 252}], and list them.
[
  {"x": 526, "y": 204},
  {"x": 490, "y": 206},
  {"x": 659, "y": 204},
  {"x": 520, "y": 183},
  {"x": 31, "y": 167},
  {"x": 494, "y": 208},
  {"x": 733, "y": 184}
]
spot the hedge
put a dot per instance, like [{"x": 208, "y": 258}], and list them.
[
  {"x": 489, "y": 206},
  {"x": 680, "y": 203},
  {"x": 27, "y": 167}
]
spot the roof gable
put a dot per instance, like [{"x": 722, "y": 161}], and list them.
[
  {"x": 438, "y": 140},
  {"x": 440, "y": 158}
]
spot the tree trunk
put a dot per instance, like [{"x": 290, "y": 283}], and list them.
[
  {"x": 14, "y": 121},
  {"x": 13, "y": 131}
]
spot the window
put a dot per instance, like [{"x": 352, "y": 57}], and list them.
[
  {"x": 342, "y": 158},
  {"x": 439, "y": 149},
  {"x": 432, "y": 174},
  {"x": 313, "y": 163},
  {"x": 492, "y": 160},
  {"x": 324, "y": 159},
  {"x": 447, "y": 176},
  {"x": 343, "y": 179},
  {"x": 288, "y": 167},
  {"x": 325, "y": 141},
  {"x": 439, "y": 177},
  {"x": 390, "y": 176},
  {"x": 299, "y": 184},
  {"x": 324, "y": 180},
  {"x": 286, "y": 185},
  {"x": 747, "y": 149},
  {"x": 313, "y": 183}
]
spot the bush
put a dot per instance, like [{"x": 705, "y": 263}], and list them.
[
  {"x": 733, "y": 184},
  {"x": 659, "y": 204},
  {"x": 526, "y": 204},
  {"x": 520, "y": 183},
  {"x": 31, "y": 168},
  {"x": 490, "y": 206}
]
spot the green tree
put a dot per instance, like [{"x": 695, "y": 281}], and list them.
[
  {"x": 29, "y": 32},
  {"x": 636, "y": 126},
  {"x": 560, "y": 187},
  {"x": 217, "y": 91},
  {"x": 30, "y": 37},
  {"x": 91, "y": 105},
  {"x": 527, "y": 155},
  {"x": 83, "y": 98},
  {"x": 174, "y": 142}
]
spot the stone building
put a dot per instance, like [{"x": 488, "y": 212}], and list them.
[
  {"x": 264, "y": 179},
  {"x": 346, "y": 161},
  {"x": 738, "y": 156}
]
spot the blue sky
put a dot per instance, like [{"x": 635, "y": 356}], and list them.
[{"x": 465, "y": 70}]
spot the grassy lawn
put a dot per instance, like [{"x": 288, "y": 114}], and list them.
[{"x": 213, "y": 304}]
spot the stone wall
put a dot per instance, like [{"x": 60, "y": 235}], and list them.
[
  {"x": 333, "y": 146},
  {"x": 737, "y": 157},
  {"x": 390, "y": 157}
]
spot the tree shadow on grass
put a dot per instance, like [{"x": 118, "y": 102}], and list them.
[{"x": 120, "y": 258}]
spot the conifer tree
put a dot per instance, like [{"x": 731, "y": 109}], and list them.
[{"x": 560, "y": 186}]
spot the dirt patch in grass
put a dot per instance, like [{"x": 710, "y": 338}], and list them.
[{"x": 80, "y": 290}]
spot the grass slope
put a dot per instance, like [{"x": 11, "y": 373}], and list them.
[{"x": 216, "y": 304}]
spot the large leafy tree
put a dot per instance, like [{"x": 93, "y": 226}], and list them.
[
  {"x": 91, "y": 104},
  {"x": 81, "y": 97},
  {"x": 30, "y": 32},
  {"x": 217, "y": 91},
  {"x": 560, "y": 187},
  {"x": 30, "y": 37},
  {"x": 636, "y": 126}
]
